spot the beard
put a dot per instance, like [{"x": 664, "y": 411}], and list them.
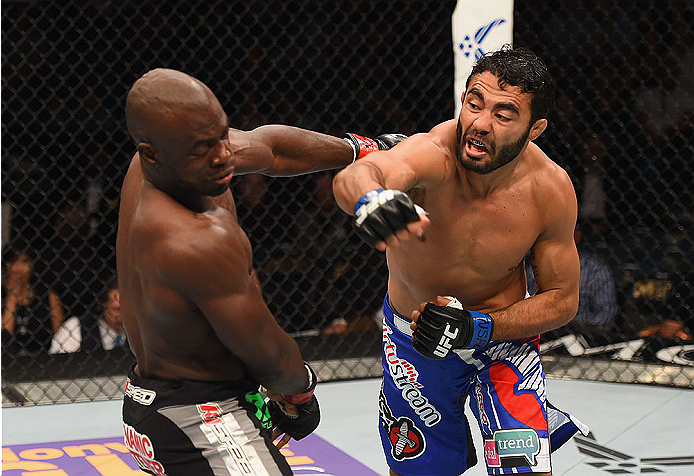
[{"x": 505, "y": 154}]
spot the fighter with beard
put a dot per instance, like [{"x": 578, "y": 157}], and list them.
[{"x": 456, "y": 210}]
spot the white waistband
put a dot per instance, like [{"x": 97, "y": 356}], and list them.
[{"x": 402, "y": 324}]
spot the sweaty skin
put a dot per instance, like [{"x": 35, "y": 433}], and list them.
[
  {"x": 189, "y": 301},
  {"x": 479, "y": 225}
]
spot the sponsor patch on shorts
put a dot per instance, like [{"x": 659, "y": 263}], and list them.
[
  {"x": 139, "y": 394},
  {"x": 406, "y": 440},
  {"x": 406, "y": 378},
  {"x": 512, "y": 448},
  {"x": 140, "y": 446}
]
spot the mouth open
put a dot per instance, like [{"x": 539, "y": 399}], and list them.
[{"x": 475, "y": 147}]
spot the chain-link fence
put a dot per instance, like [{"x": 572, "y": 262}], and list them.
[{"x": 622, "y": 127}]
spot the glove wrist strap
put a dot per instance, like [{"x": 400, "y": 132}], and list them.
[
  {"x": 353, "y": 146},
  {"x": 366, "y": 198},
  {"x": 482, "y": 329},
  {"x": 308, "y": 393},
  {"x": 362, "y": 145}
]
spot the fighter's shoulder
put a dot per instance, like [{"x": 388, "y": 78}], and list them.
[
  {"x": 440, "y": 137},
  {"x": 179, "y": 239},
  {"x": 430, "y": 150},
  {"x": 552, "y": 187},
  {"x": 548, "y": 175}
]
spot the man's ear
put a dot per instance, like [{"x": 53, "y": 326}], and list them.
[
  {"x": 537, "y": 129},
  {"x": 147, "y": 152}
]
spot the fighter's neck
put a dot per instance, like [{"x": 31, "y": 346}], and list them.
[
  {"x": 482, "y": 185},
  {"x": 194, "y": 202}
]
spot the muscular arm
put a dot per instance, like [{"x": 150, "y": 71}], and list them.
[
  {"x": 556, "y": 267},
  {"x": 214, "y": 275},
  {"x": 278, "y": 150},
  {"x": 415, "y": 160}
]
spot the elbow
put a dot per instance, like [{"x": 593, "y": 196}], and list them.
[
  {"x": 568, "y": 310},
  {"x": 288, "y": 383},
  {"x": 562, "y": 310}
]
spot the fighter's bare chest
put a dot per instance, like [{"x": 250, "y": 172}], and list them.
[{"x": 487, "y": 237}]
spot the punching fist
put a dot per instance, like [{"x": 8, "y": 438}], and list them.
[
  {"x": 380, "y": 214},
  {"x": 440, "y": 328},
  {"x": 364, "y": 145}
]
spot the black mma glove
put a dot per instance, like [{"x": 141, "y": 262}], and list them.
[
  {"x": 363, "y": 145},
  {"x": 442, "y": 328},
  {"x": 301, "y": 425},
  {"x": 381, "y": 213},
  {"x": 297, "y": 426}
]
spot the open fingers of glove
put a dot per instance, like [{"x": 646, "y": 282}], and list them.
[
  {"x": 392, "y": 241},
  {"x": 430, "y": 319},
  {"x": 403, "y": 235},
  {"x": 425, "y": 330},
  {"x": 376, "y": 230},
  {"x": 276, "y": 397},
  {"x": 415, "y": 315},
  {"x": 290, "y": 409},
  {"x": 399, "y": 212},
  {"x": 422, "y": 306},
  {"x": 417, "y": 228}
]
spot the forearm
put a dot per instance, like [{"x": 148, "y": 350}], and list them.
[
  {"x": 282, "y": 370},
  {"x": 297, "y": 151},
  {"x": 540, "y": 313},
  {"x": 290, "y": 381},
  {"x": 351, "y": 183}
]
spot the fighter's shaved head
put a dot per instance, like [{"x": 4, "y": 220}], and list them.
[{"x": 161, "y": 91}]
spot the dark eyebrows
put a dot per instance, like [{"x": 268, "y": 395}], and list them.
[
  {"x": 476, "y": 92},
  {"x": 508, "y": 106},
  {"x": 501, "y": 105}
]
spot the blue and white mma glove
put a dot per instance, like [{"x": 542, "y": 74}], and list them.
[
  {"x": 382, "y": 213},
  {"x": 443, "y": 328}
]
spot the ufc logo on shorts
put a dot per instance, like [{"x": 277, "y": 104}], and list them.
[{"x": 444, "y": 345}]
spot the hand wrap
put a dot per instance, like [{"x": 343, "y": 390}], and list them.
[
  {"x": 443, "y": 328},
  {"x": 381, "y": 213}
]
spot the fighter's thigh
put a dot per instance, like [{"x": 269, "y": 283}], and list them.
[
  {"x": 509, "y": 403},
  {"x": 422, "y": 422},
  {"x": 215, "y": 438}
]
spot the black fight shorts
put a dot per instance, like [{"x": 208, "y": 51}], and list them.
[{"x": 199, "y": 428}]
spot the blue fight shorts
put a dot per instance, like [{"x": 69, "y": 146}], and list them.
[{"x": 423, "y": 427}]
